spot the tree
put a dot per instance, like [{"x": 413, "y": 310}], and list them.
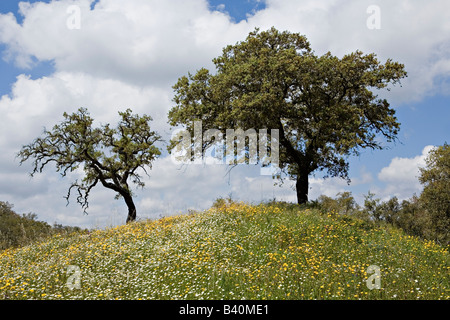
[
  {"x": 16, "y": 230},
  {"x": 322, "y": 106},
  {"x": 435, "y": 197},
  {"x": 344, "y": 203},
  {"x": 390, "y": 211},
  {"x": 372, "y": 206},
  {"x": 111, "y": 156}
]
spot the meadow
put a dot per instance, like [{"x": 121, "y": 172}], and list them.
[{"x": 233, "y": 251}]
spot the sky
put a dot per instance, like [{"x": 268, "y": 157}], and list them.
[{"x": 109, "y": 55}]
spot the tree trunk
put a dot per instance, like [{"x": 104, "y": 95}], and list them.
[
  {"x": 302, "y": 187},
  {"x": 131, "y": 207}
]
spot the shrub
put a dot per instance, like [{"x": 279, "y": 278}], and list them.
[{"x": 17, "y": 231}]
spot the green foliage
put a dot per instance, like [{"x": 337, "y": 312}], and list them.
[
  {"x": 371, "y": 206},
  {"x": 323, "y": 106},
  {"x": 390, "y": 211},
  {"x": 107, "y": 155},
  {"x": 435, "y": 197},
  {"x": 414, "y": 216},
  {"x": 343, "y": 204},
  {"x": 222, "y": 202},
  {"x": 17, "y": 231}
]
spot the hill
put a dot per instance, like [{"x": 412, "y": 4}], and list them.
[{"x": 235, "y": 251}]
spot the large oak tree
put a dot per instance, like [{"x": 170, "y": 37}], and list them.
[
  {"x": 324, "y": 107},
  {"x": 110, "y": 156}
]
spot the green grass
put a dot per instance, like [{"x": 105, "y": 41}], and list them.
[{"x": 237, "y": 251}]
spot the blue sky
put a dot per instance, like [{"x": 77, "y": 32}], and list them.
[
  {"x": 9, "y": 71},
  {"x": 238, "y": 9},
  {"x": 130, "y": 53}
]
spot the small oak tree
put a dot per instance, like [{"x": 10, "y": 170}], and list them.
[
  {"x": 111, "y": 156},
  {"x": 323, "y": 106}
]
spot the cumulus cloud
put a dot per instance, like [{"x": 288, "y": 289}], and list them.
[
  {"x": 154, "y": 42},
  {"x": 411, "y": 32},
  {"x": 198, "y": 185},
  {"x": 140, "y": 41},
  {"x": 35, "y": 104},
  {"x": 401, "y": 176},
  {"x": 129, "y": 53}
]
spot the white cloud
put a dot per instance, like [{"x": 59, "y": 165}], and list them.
[
  {"x": 198, "y": 185},
  {"x": 412, "y": 32},
  {"x": 34, "y": 104},
  {"x": 154, "y": 42},
  {"x": 401, "y": 176},
  {"x": 220, "y": 7},
  {"x": 140, "y": 41},
  {"x": 129, "y": 53},
  {"x": 329, "y": 187}
]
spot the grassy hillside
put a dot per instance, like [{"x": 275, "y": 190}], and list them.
[{"x": 234, "y": 252}]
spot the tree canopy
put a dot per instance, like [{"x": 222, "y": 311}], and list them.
[
  {"x": 323, "y": 106},
  {"x": 435, "y": 197},
  {"x": 111, "y": 156}
]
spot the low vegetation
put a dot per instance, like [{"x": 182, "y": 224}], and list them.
[
  {"x": 326, "y": 249},
  {"x": 232, "y": 251},
  {"x": 19, "y": 230}
]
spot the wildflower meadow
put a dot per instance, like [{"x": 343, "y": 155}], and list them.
[{"x": 235, "y": 251}]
